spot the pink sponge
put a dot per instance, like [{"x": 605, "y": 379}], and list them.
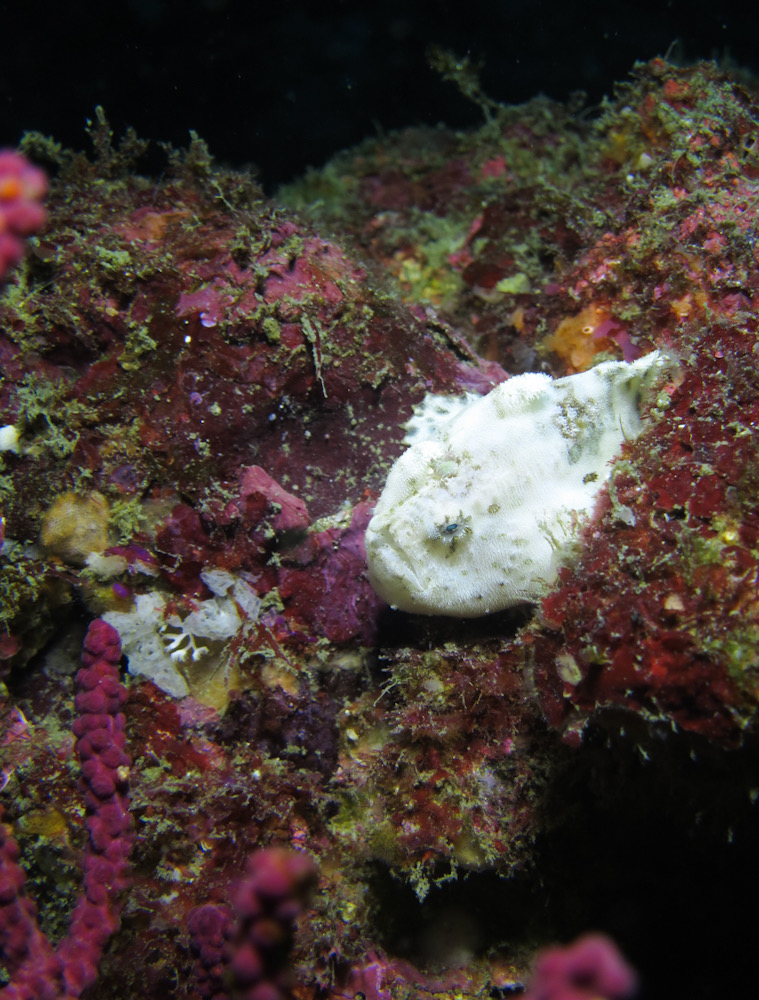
[
  {"x": 22, "y": 188},
  {"x": 37, "y": 970},
  {"x": 591, "y": 968},
  {"x": 242, "y": 951}
]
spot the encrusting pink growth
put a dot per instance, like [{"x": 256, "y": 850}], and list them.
[
  {"x": 38, "y": 971},
  {"x": 22, "y": 188},
  {"x": 29, "y": 957},
  {"x": 591, "y": 968},
  {"x": 210, "y": 928},
  {"x": 246, "y": 948}
]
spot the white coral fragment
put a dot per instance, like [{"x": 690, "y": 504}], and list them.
[
  {"x": 144, "y": 646},
  {"x": 155, "y": 643}
]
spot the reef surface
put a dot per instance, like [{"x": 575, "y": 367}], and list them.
[{"x": 207, "y": 390}]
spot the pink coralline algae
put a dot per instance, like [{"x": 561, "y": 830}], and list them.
[
  {"x": 22, "y": 188},
  {"x": 39, "y": 971}
]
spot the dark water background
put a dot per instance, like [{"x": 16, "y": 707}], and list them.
[{"x": 287, "y": 84}]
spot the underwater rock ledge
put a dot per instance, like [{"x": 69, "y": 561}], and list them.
[{"x": 212, "y": 386}]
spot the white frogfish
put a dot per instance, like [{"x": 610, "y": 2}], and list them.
[{"x": 480, "y": 512}]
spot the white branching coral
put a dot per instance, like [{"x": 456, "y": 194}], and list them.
[{"x": 156, "y": 643}]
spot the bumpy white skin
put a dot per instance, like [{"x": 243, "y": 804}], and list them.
[{"x": 481, "y": 510}]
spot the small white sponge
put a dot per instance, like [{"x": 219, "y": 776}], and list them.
[{"x": 481, "y": 510}]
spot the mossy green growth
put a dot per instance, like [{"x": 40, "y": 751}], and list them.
[
  {"x": 738, "y": 649},
  {"x": 126, "y": 518},
  {"x": 48, "y": 416},
  {"x": 20, "y": 584}
]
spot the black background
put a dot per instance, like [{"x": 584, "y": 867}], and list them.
[{"x": 284, "y": 86}]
